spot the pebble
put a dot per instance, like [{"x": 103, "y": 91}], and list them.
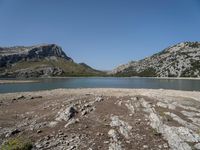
[
  {"x": 106, "y": 142},
  {"x": 72, "y": 147},
  {"x": 197, "y": 146},
  {"x": 39, "y": 131},
  {"x": 145, "y": 146}
]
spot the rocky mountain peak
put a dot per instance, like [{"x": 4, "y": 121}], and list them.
[
  {"x": 182, "y": 46},
  {"x": 42, "y": 60},
  {"x": 180, "y": 60},
  {"x": 14, "y": 54}
]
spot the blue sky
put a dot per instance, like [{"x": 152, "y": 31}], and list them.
[{"x": 101, "y": 33}]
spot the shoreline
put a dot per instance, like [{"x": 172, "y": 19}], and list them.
[
  {"x": 8, "y": 81},
  {"x": 37, "y": 79},
  {"x": 170, "y": 78},
  {"x": 174, "y": 78},
  {"x": 111, "y": 92}
]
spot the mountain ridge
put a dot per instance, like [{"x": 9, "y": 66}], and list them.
[
  {"x": 39, "y": 61},
  {"x": 179, "y": 60}
]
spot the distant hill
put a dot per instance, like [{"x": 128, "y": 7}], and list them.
[
  {"x": 40, "y": 61},
  {"x": 180, "y": 60}
]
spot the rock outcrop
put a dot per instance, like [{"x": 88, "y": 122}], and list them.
[
  {"x": 102, "y": 119},
  {"x": 181, "y": 60},
  {"x": 39, "y": 61},
  {"x": 12, "y": 55}
]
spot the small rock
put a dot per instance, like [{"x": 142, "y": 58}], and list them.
[
  {"x": 67, "y": 114},
  {"x": 13, "y": 100},
  {"x": 72, "y": 147},
  {"x": 39, "y": 131},
  {"x": 197, "y": 146},
  {"x": 98, "y": 134},
  {"x": 165, "y": 145},
  {"x": 87, "y": 105},
  {"x": 13, "y": 132},
  {"x": 145, "y": 146},
  {"x": 99, "y": 99},
  {"x": 47, "y": 137},
  {"x": 106, "y": 142},
  {"x": 84, "y": 112},
  {"x": 72, "y": 121},
  {"x": 67, "y": 143},
  {"x": 33, "y": 97},
  {"x": 21, "y": 97},
  {"x": 74, "y": 136}
]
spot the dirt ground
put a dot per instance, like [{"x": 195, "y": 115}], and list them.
[{"x": 92, "y": 119}]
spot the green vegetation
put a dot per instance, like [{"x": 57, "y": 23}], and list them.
[
  {"x": 190, "y": 72},
  {"x": 195, "y": 65},
  {"x": 160, "y": 53},
  {"x": 149, "y": 72},
  {"x": 17, "y": 144},
  {"x": 172, "y": 75},
  {"x": 194, "y": 44},
  {"x": 69, "y": 68}
]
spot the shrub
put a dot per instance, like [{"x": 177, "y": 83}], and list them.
[{"x": 17, "y": 144}]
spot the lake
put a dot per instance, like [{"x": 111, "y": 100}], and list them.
[{"x": 103, "y": 82}]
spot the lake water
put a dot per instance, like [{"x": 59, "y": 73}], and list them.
[{"x": 107, "y": 82}]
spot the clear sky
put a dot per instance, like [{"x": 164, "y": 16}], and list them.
[{"x": 101, "y": 33}]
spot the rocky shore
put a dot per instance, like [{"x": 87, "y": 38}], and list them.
[{"x": 91, "y": 119}]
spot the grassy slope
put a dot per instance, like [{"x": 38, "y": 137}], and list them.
[{"x": 69, "y": 68}]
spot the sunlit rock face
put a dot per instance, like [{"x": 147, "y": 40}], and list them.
[
  {"x": 40, "y": 61},
  {"x": 180, "y": 60},
  {"x": 11, "y": 55}
]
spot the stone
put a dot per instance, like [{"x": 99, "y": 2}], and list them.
[
  {"x": 20, "y": 97},
  {"x": 84, "y": 112},
  {"x": 13, "y": 132},
  {"x": 177, "y": 137},
  {"x": 34, "y": 97},
  {"x": 145, "y": 146},
  {"x": 197, "y": 146},
  {"x": 113, "y": 134},
  {"x": 72, "y": 147},
  {"x": 98, "y": 99},
  {"x": 39, "y": 131},
  {"x": 124, "y": 127},
  {"x": 72, "y": 121},
  {"x": 67, "y": 114}
]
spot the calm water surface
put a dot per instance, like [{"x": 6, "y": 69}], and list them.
[{"x": 152, "y": 83}]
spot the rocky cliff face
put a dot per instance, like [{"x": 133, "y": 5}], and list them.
[
  {"x": 181, "y": 60},
  {"x": 10, "y": 55},
  {"x": 37, "y": 61}
]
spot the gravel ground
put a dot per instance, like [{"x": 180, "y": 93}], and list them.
[{"x": 92, "y": 119}]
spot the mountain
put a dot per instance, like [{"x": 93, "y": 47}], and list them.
[
  {"x": 40, "y": 61},
  {"x": 180, "y": 60}
]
